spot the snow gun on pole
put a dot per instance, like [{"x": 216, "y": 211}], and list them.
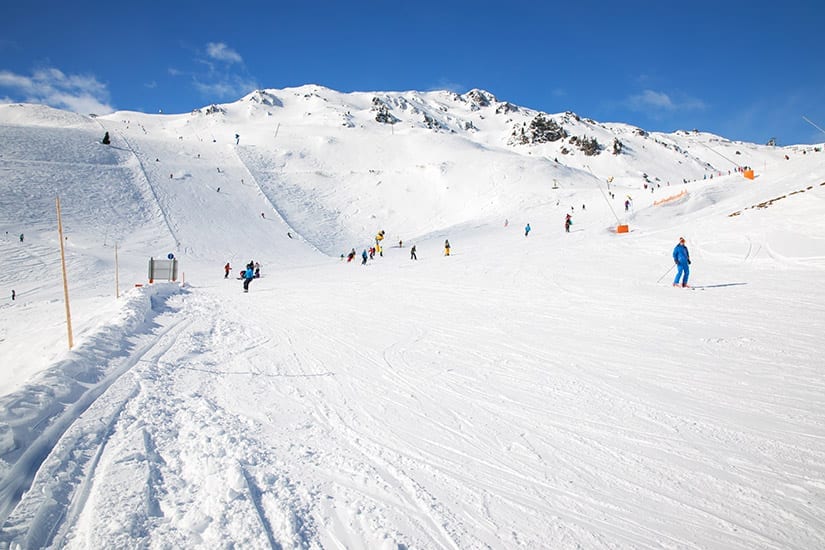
[{"x": 620, "y": 227}]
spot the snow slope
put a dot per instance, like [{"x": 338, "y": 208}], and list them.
[{"x": 550, "y": 391}]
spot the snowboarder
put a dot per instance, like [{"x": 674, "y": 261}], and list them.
[
  {"x": 412, "y": 253},
  {"x": 526, "y": 229},
  {"x": 446, "y": 247},
  {"x": 106, "y": 140},
  {"x": 681, "y": 257},
  {"x": 226, "y": 270},
  {"x": 248, "y": 275},
  {"x": 568, "y": 221}
]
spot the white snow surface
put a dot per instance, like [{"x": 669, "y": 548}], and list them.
[{"x": 543, "y": 391}]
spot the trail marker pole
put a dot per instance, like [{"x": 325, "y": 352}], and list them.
[{"x": 65, "y": 279}]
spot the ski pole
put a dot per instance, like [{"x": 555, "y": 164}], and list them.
[{"x": 666, "y": 272}]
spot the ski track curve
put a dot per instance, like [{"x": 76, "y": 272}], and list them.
[{"x": 44, "y": 422}]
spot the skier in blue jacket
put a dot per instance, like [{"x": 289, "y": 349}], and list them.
[
  {"x": 681, "y": 257},
  {"x": 248, "y": 275}
]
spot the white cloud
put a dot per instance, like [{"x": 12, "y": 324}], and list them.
[
  {"x": 660, "y": 101},
  {"x": 221, "y": 52},
  {"x": 649, "y": 98},
  {"x": 50, "y": 86},
  {"x": 11, "y": 80},
  {"x": 224, "y": 75},
  {"x": 226, "y": 87},
  {"x": 449, "y": 85}
]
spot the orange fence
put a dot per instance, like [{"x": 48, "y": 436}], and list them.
[{"x": 670, "y": 199}]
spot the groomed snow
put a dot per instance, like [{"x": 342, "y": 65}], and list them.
[{"x": 548, "y": 391}]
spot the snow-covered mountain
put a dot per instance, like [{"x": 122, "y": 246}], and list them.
[{"x": 541, "y": 391}]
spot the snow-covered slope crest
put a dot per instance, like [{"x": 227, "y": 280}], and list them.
[{"x": 26, "y": 114}]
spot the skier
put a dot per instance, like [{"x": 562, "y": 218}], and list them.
[
  {"x": 21, "y": 237},
  {"x": 351, "y": 255},
  {"x": 412, "y": 253},
  {"x": 226, "y": 269},
  {"x": 681, "y": 257},
  {"x": 568, "y": 221},
  {"x": 446, "y": 247},
  {"x": 364, "y": 257},
  {"x": 13, "y": 295},
  {"x": 237, "y": 139},
  {"x": 526, "y": 229},
  {"x": 248, "y": 275},
  {"x": 106, "y": 140}
]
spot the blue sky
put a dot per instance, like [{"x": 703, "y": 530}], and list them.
[{"x": 745, "y": 70}]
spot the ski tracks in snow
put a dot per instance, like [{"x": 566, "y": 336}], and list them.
[
  {"x": 56, "y": 447},
  {"x": 204, "y": 475},
  {"x": 143, "y": 445}
]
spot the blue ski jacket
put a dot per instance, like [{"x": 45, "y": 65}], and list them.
[{"x": 681, "y": 255}]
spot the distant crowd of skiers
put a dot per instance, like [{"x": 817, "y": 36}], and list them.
[{"x": 681, "y": 256}]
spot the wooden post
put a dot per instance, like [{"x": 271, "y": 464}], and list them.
[{"x": 65, "y": 279}]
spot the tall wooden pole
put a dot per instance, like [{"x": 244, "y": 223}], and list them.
[{"x": 65, "y": 279}]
